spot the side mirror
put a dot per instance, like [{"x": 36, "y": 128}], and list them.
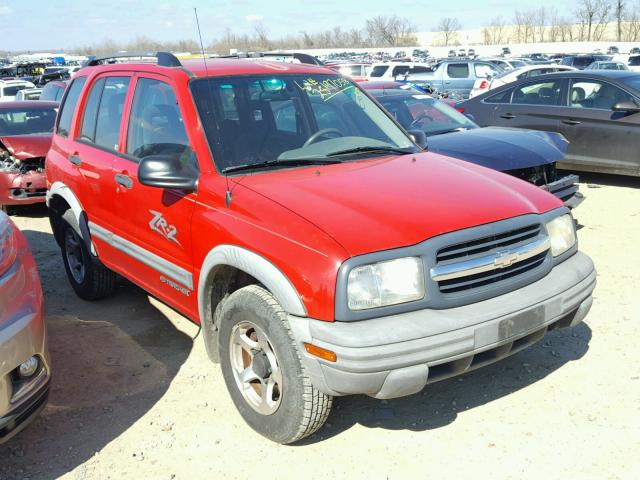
[
  {"x": 167, "y": 171},
  {"x": 627, "y": 106},
  {"x": 419, "y": 138}
]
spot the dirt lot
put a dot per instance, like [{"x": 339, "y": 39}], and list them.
[{"x": 134, "y": 395}]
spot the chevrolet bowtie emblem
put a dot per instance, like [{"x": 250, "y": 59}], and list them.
[{"x": 505, "y": 259}]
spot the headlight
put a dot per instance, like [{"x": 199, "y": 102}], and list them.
[
  {"x": 562, "y": 234},
  {"x": 386, "y": 283},
  {"x": 8, "y": 246}
]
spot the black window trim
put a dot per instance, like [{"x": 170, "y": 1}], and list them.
[{"x": 63, "y": 102}]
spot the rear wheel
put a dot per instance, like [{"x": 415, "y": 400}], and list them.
[
  {"x": 89, "y": 278},
  {"x": 263, "y": 371}
]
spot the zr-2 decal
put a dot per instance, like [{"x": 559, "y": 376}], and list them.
[{"x": 160, "y": 225}]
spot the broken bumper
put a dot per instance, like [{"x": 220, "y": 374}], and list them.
[
  {"x": 566, "y": 189},
  {"x": 398, "y": 355},
  {"x": 22, "y": 188}
]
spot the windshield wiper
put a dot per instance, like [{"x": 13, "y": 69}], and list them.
[
  {"x": 280, "y": 163},
  {"x": 371, "y": 149}
]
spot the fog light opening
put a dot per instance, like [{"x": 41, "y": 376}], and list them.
[{"x": 29, "y": 368}]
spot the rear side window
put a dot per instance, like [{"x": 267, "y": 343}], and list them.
[
  {"x": 502, "y": 97},
  {"x": 108, "y": 116},
  {"x": 379, "y": 70},
  {"x": 156, "y": 126},
  {"x": 69, "y": 105},
  {"x": 542, "y": 93},
  {"x": 49, "y": 93},
  {"x": 59, "y": 93},
  {"x": 458, "y": 70},
  {"x": 484, "y": 70},
  {"x": 88, "y": 130},
  {"x": 634, "y": 61}
]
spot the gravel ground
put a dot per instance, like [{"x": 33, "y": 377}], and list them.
[{"x": 134, "y": 395}]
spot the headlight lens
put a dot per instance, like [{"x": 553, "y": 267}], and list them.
[
  {"x": 8, "y": 246},
  {"x": 562, "y": 234},
  {"x": 386, "y": 283}
]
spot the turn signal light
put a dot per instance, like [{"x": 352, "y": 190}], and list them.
[
  {"x": 320, "y": 352},
  {"x": 484, "y": 84}
]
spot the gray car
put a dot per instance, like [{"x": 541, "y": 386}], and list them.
[
  {"x": 598, "y": 111},
  {"x": 24, "y": 360}
]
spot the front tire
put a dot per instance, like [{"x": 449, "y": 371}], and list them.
[
  {"x": 263, "y": 371},
  {"x": 89, "y": 278}
]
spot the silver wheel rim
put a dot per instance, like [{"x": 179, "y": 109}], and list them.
[
  {"x": 255, "y": 368},
  {"x": 73, "y": 252}
]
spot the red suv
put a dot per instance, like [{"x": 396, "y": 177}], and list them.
[{"x": 322, "y": 252}]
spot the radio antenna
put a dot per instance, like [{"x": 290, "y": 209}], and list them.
[{"x": 206, "y": 71}]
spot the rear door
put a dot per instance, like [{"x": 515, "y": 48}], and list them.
[
  {"x": 600, "y": 138},
  {"x": 537, "y": 105},
  {"x": 96, "y": 147},
  {"x": 457, "y": 78},
  {"x": 155, "y": 223}
]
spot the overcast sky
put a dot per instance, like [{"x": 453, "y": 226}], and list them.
[{"x": 52, "y": 24}]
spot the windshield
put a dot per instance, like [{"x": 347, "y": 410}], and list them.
[
  {"x": 421, "y": 112},
  {"x": 25, "y": 121},
  {"x": 251, "y": 120}
]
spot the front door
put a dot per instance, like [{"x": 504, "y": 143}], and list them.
[
  {"x": 156, "y": 222},
  {"x": 598, "y": 136}
]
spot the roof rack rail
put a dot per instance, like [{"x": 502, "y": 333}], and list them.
[
  {"x": 164, "y": 59},
  {"x": 301, "y": 57}
]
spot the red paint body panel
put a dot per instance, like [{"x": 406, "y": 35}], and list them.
[
  {"x": 306, "y": 221},
  {"x": 24, "y": 147}
]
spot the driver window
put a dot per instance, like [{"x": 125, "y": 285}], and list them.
[
  {"x": 598, "y": 95},
  {"x": 156, "y": 126}
]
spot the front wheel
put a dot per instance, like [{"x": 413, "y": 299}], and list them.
[{"x": 263, "y": 371}]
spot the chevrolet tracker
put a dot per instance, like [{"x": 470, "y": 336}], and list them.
[{"x": 322, "y": 252}]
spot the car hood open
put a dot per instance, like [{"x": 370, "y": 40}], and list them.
[
  {"x": 383, "y": 203},
  {"x": 502, "y": 149},
  {"x": 24, "y": 147}
]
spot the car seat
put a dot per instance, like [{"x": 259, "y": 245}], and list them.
[{"x": 578, "y": 94}]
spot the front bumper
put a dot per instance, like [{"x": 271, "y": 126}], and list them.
[
  {"x": 566, "y": 189},
  {"x": 22, "y": 335},
  {"x": 22, "y": 188},
  {"x": 398, "y": 355}
]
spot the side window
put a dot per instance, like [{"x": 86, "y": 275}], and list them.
[
  {"x": 69, "y": 105},
  {"x": 458, "y": 70},
  {"x": 59, "y": 93},
  {"x": 483, "y": 70},
  {"x": 155, "y": 125},
  {"x": 594, "y": 94},
  {"x": 543, "y": 93},
  {"x": 90, "y": 114},
  {"x": 502, "y": 97},
  {"x": 109, "y": 114}
]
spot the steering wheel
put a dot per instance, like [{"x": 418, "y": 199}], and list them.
[
  {"x": 321, "y": 133},
  {"x": 420, "y": 117}
]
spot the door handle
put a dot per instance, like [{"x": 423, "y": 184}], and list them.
[
  {"x": 508, "y": 116},
  {"x": 571, "y": 122},
  {"x": 124, "y": 180},
  {"x": 75, "y": 159}
]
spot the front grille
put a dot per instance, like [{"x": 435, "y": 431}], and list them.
[{"x": 479, "y": 263}]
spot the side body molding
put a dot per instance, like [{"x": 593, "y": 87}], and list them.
[{"x": 256, "y": 266}]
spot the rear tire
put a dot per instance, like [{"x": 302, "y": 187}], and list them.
[
  {"x": 263, "y": 370},
  {"x": 90, "y": 279}
]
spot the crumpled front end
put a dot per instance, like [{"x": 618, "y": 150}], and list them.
[
  {"x": 22, "y": 182},
  {"x": 546, "y": 177}
]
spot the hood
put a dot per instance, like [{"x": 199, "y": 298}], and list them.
[
  {"x": 24, "y": 147},
  {"x": 502, "y": 149},
  {"x": 383, "y": 203}
]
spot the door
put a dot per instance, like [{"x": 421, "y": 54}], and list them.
[
  {"x": 535, "y": 105},
  {"x": 96, "y": 147},
  {"x": 599, "y": 138},
  {"x": 155, "y": 223}
]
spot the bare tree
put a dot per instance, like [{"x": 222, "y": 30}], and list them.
[
  {"x": 390, "y": 31},
  {"x": 448, "y": 28},
  {"x": 539, "y": 18},
  {"x": 593, "y": 17},
  {"x": 493, "y": 34},
  {"x": 631, "y": 25},
  {"x": 620, "y": 11},
  {"x": 524, "y": 25}
]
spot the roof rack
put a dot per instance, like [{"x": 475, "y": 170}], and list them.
[
  {"x": 164, "y": 59},
  {"x": 301, "y": 57}
]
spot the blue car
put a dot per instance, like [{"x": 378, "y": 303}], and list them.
[{"x": 527, "y": 154}]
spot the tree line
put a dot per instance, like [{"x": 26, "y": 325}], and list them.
[{"x": 587, "y": 20}]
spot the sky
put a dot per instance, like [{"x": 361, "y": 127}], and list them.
[{"x": 56, "y": 24}]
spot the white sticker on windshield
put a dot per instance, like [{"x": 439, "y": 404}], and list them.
[{"x": 421, "y": 97}]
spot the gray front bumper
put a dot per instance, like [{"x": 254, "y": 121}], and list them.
[{"x": 398, "y": 355}]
